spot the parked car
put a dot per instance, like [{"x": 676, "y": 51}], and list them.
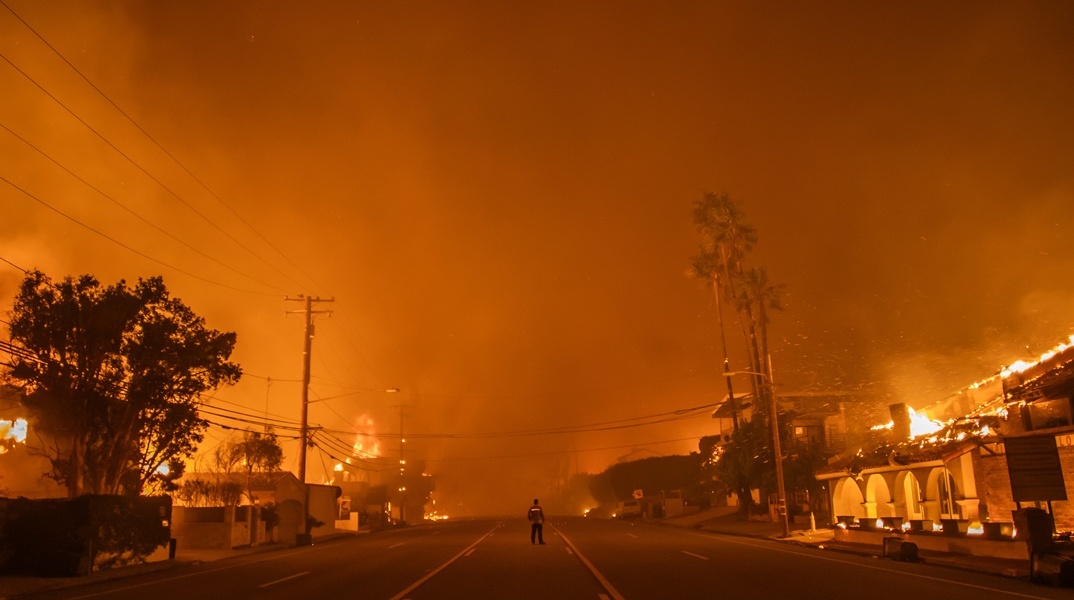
[{"x": 630, "y": 509}]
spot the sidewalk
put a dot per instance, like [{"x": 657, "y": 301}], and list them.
[
  {"x": 726, "y": 520},
  {"x": 14, "y": 586}
]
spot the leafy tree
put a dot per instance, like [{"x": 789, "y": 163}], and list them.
[
  {"x": 652, "y": 475},
  {"x": 255, "y": 452},
  {"x": 115, "y": 373},
  {"x": 744, "y": 463}
]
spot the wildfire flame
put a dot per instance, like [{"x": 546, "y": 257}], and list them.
[
  {"x": 12, "y": 432},
  {"x": 1021, "y": 365},
  {"x": 920, "y": 424},
  {"x": 366, "y": 444}
]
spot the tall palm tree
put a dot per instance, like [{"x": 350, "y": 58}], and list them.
[
  {"x": 728, "y": 239},
  {"x": 762, "y": 295},
  {"x": 707, "y": 268}
]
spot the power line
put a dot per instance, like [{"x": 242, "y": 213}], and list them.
[
  {"x": 147, "y": 173},
  {"x": 125, "y": 246},
  {"x": 156, "y": 143},
  {"x": 13, "y": 264},
  {"x": 628, "y": 423},
  {"x": 557, "y": 452},
  {"x": 132, "y": 212}
]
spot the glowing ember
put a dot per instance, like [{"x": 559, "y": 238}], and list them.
[{"x": 11, "y": 433}]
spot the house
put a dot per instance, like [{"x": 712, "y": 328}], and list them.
[
  {"x": 946, "y": 467},
  {"x": 249, "y": 520},
  {"x": 816, "y": 424}
]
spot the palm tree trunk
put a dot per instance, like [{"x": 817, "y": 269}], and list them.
[{"x": 723, "y": 344}]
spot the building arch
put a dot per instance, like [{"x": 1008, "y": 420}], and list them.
[
  {"x": 878, "y": 501},
  {"x": 908, "y": 496},
  {"x": 942, "y": 495},
  {"x": 847, "y": 499}
]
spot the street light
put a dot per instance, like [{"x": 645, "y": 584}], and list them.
[{"x": 781, "y": 491}]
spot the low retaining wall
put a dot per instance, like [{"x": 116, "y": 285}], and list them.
[{"x": 938, "y": 542}]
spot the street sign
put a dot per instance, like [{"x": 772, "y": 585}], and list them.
[{"x": 1034, "y": 467}]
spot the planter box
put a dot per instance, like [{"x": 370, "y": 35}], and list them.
[
  {"x": 921, "y": 525},
  {"x": 955, "y": 526}
]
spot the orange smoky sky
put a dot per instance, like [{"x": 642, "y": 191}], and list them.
[{"x": 498, "y": 198}]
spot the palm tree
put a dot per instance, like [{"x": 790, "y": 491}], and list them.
[
  {"x": 706, "y": 267},
  {"x": 761, "y": 295},
  {"x": 725, "y": 241}
]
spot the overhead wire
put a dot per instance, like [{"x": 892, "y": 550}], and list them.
[
  {"x": 125, "y": 246},
  {"x": 559, "y": 452},
  {"x": 133, "y": 212},
  {"x": 158, "y": 144},
  {"x": 13, "y": 265},
  {"x": 145, "y": 171}
]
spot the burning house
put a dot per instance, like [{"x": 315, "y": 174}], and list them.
[{"x": 965, "y": 464}]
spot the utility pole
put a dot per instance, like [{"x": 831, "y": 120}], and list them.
[
  {"x": 402, "y": 462},
  {"x": 777, "y": 452},
  {"x": 781, "y": 491},
  {"x": 307, "y": 348}
]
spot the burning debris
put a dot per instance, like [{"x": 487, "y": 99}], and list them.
[{"x": 11, "y": 433}]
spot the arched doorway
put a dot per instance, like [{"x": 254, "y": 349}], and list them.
[
  {"x": 847, "y": 499},
  {"x": 907, "y": 496},
  {"x": 878, "y": 498}
]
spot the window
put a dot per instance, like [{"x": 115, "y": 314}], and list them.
[{"x": 807, "y": 437}]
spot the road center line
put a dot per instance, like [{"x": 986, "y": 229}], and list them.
[
  {"x": 430, "y": 574},
  {"x": 615, "y": 595},
  {"x": 265, "y": 585},
  {"x": 694, "y": 555}
]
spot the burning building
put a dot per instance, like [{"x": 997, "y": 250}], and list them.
[{"x": 959, "y": 463}]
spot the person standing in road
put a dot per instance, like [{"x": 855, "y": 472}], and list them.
[{"x": 536, "y": 517}]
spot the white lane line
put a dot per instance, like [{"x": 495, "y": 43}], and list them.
[
  {"x": 470, "y": 552},
  {"x": 275, "y": 556},
  {"x": 402, "y": 595},
  {"x": 265, "y": 585},
  {"x": 569, "y": 551},
  {"x": 607, "y": 585},
  {"x": 808, "y": 554},
  {"x": 396, "y": 545},
  {"x": 694, "y": 555},
  {"x": 603, "y": 597},
  {"x": 632, "y": 535}
]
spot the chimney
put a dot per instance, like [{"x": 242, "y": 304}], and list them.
[{"x": 900, "y": 417}]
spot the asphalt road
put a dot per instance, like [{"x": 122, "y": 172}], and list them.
[{"x": 583, "y": 559}]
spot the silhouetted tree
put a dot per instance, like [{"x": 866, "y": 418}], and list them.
[{"x": 115, "y": 373}]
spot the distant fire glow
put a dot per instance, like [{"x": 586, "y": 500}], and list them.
[
  {"x": 366, "y": 443},
  {"x": 12, "y": 432}
]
